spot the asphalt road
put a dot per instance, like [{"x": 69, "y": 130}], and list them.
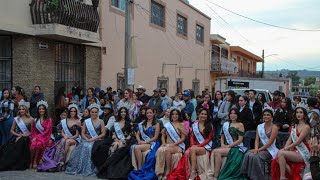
[{"x": 31, "y": 174}]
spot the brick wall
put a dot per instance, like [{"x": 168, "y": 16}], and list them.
[{"x": 92, "y": 67}]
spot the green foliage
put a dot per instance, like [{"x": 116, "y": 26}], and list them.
[
  {"x": 53, "y": 4},
  {"x": 313, "y": 89},
  {"x": 294, "y": 77},
  {"x": 309, "y": 81}
]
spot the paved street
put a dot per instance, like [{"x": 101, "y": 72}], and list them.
[{"x": 33, "y": 175}]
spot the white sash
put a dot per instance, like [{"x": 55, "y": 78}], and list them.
[
  {"x": 144, "y": 136},
  {"x": 65, "y": 128},
  {"x": 273, "y": 150},
  {"x": 39, "y": 126},
  {"x": 90, "y": 128},
  {"x": 174, "y": 135},
  {"x": 118, "y": 131},
  {"x": 199, "y": 137},
  {"x": 229, "y": 138},
  {"x": 22, "y": 126},
  {"x": 303, "y": 150}
]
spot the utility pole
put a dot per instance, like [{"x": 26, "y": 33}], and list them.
[
  {"x": 128, "y": 70},
  {"x": 262, "y": 72}
]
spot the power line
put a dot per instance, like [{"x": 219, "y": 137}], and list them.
[{"x": 257, "y": 21}]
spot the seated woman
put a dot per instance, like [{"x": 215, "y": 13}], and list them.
[
  {"x": 148, "y": 143},
  {"x": 198, "y": 154},
  {"x": 231, "y": 147},
  {"x": 40, "y": 134},
  {"x": 54, "y": 158},
  {"x": 112, "y": 156},
  {"x": 267, "y": 132},
  {"x": 173, "y": 136},
  {"x": 16, "y": 154},
  {"x": 93, "y": 129},
  {"x": 294, "y": 157}
]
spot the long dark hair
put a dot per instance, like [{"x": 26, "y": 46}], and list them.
[
  {"x": 61, "y": 92},
  {"x": 154, "y": 122},
  {"x": 2, "y": 96},
  {"x": 127, "y": 123},
  {"x": 69, "y": 110},
  {"x": 236, "y": 110},
  {"x": 46, "y": 114},
  {"x": 215, "y": 98},
  {"x": 179, "y": 115},
  {"x": 207, "y": 124},
  {"x": 305, "y": 113},
  {"x": 288, "y": 104},
  {"x": 233, "y": 97}
]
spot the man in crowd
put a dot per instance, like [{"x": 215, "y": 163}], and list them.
[
  {"x": 165, "y": 97},
  {"x": 189, "y": 108},
  {"x": 143, "y": 97},
  {"x": 157, "y": 103},
  {"x": 255, "y": 106},
  {"x": 275, "y": 103}
]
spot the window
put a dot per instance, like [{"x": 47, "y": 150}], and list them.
[
  {"x": 182, "y": 25},
  {"x": 5, "y": 62},
  {"x": 199, "y": 33},
  {"x": 121, "y": 4},
  {"x": 224, "y": 53},
  {"x": 157, "y": 14},
  {"x": 196, "y": 86},
  {"x": 179, "y": 85},
  {"x": 163, "y": 82},
  {"x": 249, "y": 67},
  {"x": 69, "y": 66},
  {"x": 121, "y": 84}
]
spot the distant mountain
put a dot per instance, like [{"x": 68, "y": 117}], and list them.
[{"x": 301, "y": 73}]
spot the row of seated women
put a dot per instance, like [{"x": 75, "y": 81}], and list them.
[{"x": 138, "y": 154}]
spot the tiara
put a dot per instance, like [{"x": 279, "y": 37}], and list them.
[
  {"x": 175, "y": 108},
  {"x": 267, "y": 107},
  {"x": 42, "y": 102},
  {"x": 72, "y": 106},
  {"x": 24, "y": 103},
  {"x": 302, "y": 105},
  {"x": 94, "y": 105}
]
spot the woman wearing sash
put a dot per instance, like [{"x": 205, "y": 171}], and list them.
[
  {"x": 54, "y": 158},
  {"x": 231, "y": 147},
  {"x": 148, "y": 143},
  {"x": 112, "y": 156},
  {"x": 293, "y": 159},
  {"x": 16, "y": 154},
  {"x": 93, "y": 129},
  {"x": 40, "y": 133},
  {"x": 197, "y": 156},
  {"x": 173, "y": 136},
  {"x": 267, "y": 132}
]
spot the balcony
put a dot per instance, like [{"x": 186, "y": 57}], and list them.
[
  {"x": 67, "y": 20},
  {"x": 224, "y": 66},
  {"x": 248, "y": 74}
]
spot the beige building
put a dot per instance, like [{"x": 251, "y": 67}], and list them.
[
  {"x": 44, "y": 45},
  {"x": 171, "y": 45}
]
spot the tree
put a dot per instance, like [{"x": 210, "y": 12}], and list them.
[
  {"x": 309, "y": 81},
  {"x": 294, "y": 77}
]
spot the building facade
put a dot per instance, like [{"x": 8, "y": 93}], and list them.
[
  {"x": 46, "y": 46},
  {"x": 170, "y": 40}
]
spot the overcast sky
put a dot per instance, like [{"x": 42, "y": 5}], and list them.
[{"x": 293, "y": 49}]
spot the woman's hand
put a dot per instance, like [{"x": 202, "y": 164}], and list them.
[{"x": 314, "y": 146}]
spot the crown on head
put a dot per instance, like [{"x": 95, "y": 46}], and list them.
[
  {"x": 42, "y": 102},
  {"x": 73, "y": 106},
  {"x": 267, "y": 107},
  {"x": 24, "y": 103},
  {"x": 94, "y": 105},
  {"x": 302, "y": 105},
  {"x": 175, "y": 108}
]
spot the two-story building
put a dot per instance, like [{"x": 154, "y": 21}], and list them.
[
  {"x": 170, "y": 40},
  {"x": 44, "y": 43}
]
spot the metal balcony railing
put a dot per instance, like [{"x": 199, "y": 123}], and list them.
[{"x": 66, "y": 12}]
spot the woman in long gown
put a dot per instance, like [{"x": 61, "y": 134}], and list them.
[
  {"x": 93, "y": 129},
  {"x": 6, "y": 116},
  {"x": 294, "y": 157},
  {"x": 112, "y": 156},
  {"x": 147, "y": 138},
  {"x": 15, "y": 155},
  {"x": 231, "y": 147},
  {"x": 173, "y": 136},
  {"x": 197, "y": 156},
  {"x": 253, "y": 161},
  {"x": 54, "y": 158},
  {"x": 40, "y": 134}
]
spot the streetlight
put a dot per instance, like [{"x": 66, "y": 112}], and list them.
[{"x": 263, "y": 57}]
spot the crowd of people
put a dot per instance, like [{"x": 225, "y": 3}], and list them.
[{"x": 126, "y": 134}]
